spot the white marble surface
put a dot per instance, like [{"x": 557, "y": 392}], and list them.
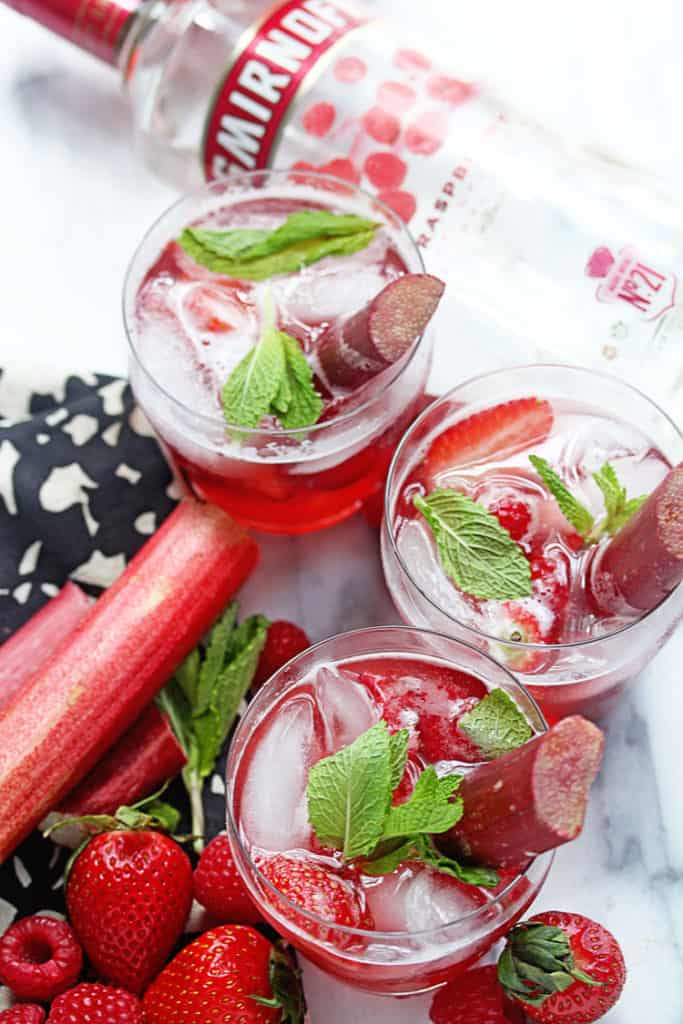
[{"x": 75, "y": 200}]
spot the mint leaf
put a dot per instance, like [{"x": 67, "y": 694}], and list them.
[
  {"x": 297, "y": 403},
  {"x": 255, "y": 381},
  {"x": 476, "y": 552},
  {"x": 572, "y": 509},
  {"x": 390, "y": 856},
  {"x": 469, "y": 874},
  {"x": 496, "y": 725},
  {"x": 349, "y": 793},
  {"x": 429, "y": 808},
  {"x": 619, "y": 509},
  {"x": 203, "y": 699},
  {"x": 398, "y": 756},
  {"x": 304, "y": 238}
]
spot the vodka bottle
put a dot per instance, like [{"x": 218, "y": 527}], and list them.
[{"x": 550, "y": 255}]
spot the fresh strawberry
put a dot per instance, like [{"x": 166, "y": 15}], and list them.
[
  {"x": 317, "y": 889},
  {"x": 39, "y": 958},
  {"x": 284, "y": 641},
  {"x": 476, "y": 997},
  {"x": 494, "y": 433},
  {"x": 220, "y": 978},
  {"x": 514, "y": 515},
  {"x": 219, "y": 888},
  {"x": 23, "y": 1014},
  {"x": 519, "y": 623},
  {"x": 128, "y": 896},
  {"x": 96, "y": 1004},
  {"x": 562, "y": 968}
]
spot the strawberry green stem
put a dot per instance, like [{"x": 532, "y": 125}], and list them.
[{"x": 194, "y": 789}]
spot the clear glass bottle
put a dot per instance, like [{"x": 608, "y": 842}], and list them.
[{"x": 549, "y": 254}]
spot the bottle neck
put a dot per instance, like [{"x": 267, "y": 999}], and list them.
[{"x": 98, "y": 26}]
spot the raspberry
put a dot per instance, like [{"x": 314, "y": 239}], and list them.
[
  {"x": 385, "y": 170},
  {"x": 382, "y": 126},
  {"x": 319, "y": 118},
  {"x": 39, "y": 958},
  {"x": 96, "y": 1004},
  {"x": 513, "y": 515},
  {"x": 219, "y": 888},
  {"x": 283, "y": 641},
  {"x": 403, "y": 204},
  {"x": 350, "y": 69},
  {"x": 23, "y": 1014}
]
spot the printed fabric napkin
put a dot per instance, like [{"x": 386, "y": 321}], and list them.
[{"x": 83, "y": 483}]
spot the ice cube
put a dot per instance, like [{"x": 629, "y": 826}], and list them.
[
  {"x": 273, "y": 804},
  {"x": 417, "y": 898},
  {"x": 329, "y": 290},
  {"x": 346, "y": 707}
]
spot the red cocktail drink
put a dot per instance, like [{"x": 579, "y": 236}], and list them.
[
  {"x": 546, "y": 465},
  {"x": 384, "y": 928},
  {"x": 293, "y": 439}
]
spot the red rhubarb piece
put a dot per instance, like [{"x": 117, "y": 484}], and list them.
[
  {"x": 529, "y": 800},
  {"x": 145, "y": 757},
  {"x": 107, "y": 671},
  {"x": 643, "y": 562},
  {"x": 28, "y": 648},
  {"x": 39, "y": 958},
  {"x": 354, "y": 350}
]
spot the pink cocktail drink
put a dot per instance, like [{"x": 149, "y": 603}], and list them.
[
  {"x": 413, "y": 927},
  {"x": 610, "y": 448},
  {"x": 197, "y": 311}
]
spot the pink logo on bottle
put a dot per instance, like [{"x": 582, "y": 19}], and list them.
[{"x": 625, "y": 278}]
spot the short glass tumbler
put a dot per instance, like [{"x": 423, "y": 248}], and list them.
[
  {"x": 292, "y": 481},
  {"x": 382, "y": 962},
  {"x": 586, "y": 675}
]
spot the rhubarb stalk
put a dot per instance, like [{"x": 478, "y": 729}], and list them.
[
  {"x": 29, "y": 647},
  {"x": 97, "y": 682},
  {"x": 643, "y": 562},
  {"x": 529, "y": 800}
]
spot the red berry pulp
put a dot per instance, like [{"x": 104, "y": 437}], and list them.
[{"x": 313, "y": 718}]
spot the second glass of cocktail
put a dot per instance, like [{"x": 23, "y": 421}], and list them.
[
  {"x": 393, "y": 800},
  {"x": 277, "y": 324}
]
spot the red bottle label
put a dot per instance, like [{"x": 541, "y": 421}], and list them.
[
  {"x": 94, "y": 25},
  {"x": 247, "y": 115}
]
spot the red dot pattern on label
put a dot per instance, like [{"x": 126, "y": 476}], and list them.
[
  {"x": 341, "y": 167},
  {"x": 395, "y": 97},
  {"x": 350, "y": 69},
  {"x": 382, "y": 126},
  {"x": 402, "y": 203},
  {"x": 385, "y": 170},
  {"x": 411, "y": 60},
  {"x": 319, "y": 118},
  {"x": 427, "y": 134},
  {"x": 450, "y": 90}
]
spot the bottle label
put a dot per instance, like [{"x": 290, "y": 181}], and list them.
[
  {"x": 266, "y": 75},
  {"x": 94, "y": 25},
  {"x": 630, "y": 280}
]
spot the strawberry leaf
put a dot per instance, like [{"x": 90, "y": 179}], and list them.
[
  {"x": 476, "y": 552},
  {"x": 537, "y": 962}
]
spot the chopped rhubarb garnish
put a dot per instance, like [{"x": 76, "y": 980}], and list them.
[
  {"x": 146, "y": 756},
  {"x": 529, "y": 800},
  {"x": 353, "y": 351},
  {"x": 100, "y": 679},
  {"x": 643, "y": 562},
  {"x": 28, "y": 648}
]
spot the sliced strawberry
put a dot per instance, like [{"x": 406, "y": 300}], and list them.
[
  {"x": 319, "y": 890},
  {"x": 494, "y": 433},
  {"x": 521, "y": 625}
]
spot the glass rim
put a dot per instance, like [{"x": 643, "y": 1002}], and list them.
[
  {"x": 299, "y": 433},
  {"x": 309, "y": 915},
  {"x": 405, "y": 442}
]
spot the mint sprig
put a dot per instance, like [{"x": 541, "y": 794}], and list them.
[
  {"x": 304, "y": 238},
  {"x": 618, "y": 507},
  {"x": 496, "y": 725},
  {"x": 350, "y": 808},
  {"x": 476, "y": 552},
  {"x": 203, "y": 699},
  {"x": 275, "y": 379}
]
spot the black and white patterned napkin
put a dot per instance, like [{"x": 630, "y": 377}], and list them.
[{"x": 83, "y": 483}]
